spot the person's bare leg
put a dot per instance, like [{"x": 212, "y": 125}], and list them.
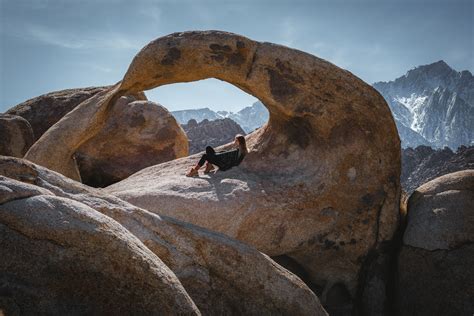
[
  {"x": 209, "y": 167},
  {"x": 194, "y": 171}
]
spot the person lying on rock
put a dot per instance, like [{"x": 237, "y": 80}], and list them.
[{"x": 224, "y": 160}]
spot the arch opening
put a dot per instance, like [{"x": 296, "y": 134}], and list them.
[{"x": 211, "y": 112}]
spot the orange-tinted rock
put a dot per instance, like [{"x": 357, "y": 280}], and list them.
[{"x": 321, "y": 181}]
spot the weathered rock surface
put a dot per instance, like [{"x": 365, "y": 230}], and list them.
[
  {"x": 436, "y": 260},
  {"x": 302, "y": 191},
  {"x": 210, "y": 133},
  {"x": 16, "y": 135},
  {"x": 321, "y": 181},
  {"x": 44, "y": 111},
  {"x": 222, "y": 276},
  {"x": 422, "y": 164},
  {"x": 137, "y": 134},
  {"x": 60, "y": 256}
]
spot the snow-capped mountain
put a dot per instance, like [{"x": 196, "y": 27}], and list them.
[
  {"x": 249, "y": 118},
  {"x": 432, "y": 105},
  {"x": 199, "y": 115}
]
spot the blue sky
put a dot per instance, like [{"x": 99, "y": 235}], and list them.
[{"x": 48, "y": 45}]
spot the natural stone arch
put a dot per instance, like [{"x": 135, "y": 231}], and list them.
[{"x": 322, "y": 175}]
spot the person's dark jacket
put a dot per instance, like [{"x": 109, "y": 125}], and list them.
[{"x": 228, "y": 159}]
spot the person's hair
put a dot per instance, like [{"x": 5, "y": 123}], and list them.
[{"x": 242, "y": 144}]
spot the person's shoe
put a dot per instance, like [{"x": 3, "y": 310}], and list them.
[
  {"x": 192, "y": 173},
  {"x": 209, "y": 168}
]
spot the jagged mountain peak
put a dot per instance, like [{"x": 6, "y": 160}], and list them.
[
  {"x": 439, "y": 67},
  {"x": 433, "y": 101},
  {"x": 427, "y": 76}
]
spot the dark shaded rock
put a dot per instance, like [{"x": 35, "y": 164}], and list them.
[
  {"x": 16, "y": 135},
  {"x": 423, "y": 163},
  {"x": 436, "y": 283},
  {"x": 435, "y": 275}
]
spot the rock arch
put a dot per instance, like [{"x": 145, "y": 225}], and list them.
[{"x": 321, "y": 181}]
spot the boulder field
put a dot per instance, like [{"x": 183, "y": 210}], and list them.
[
  {"x": 138, "y": 133},
  {"x": 320, "y": 184},
  {"x": 68, "y": 248}
]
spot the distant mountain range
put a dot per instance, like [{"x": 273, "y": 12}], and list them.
[
  {"x": 249, "y": 118},
  {"x": 210, "y": 133},
  {"x": 423, "y": 163},
  {"x": 433, "y": 105}
]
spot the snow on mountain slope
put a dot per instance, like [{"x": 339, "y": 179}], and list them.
[
  {"x": 183, "y": 116},
  {"x": 432, "y": 105},
  {"x": 249, "y": 118}
]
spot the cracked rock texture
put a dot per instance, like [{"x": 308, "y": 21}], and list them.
[{"x": 437, "y": 256}]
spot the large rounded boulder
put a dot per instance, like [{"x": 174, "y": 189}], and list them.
[
  {"x": 17, "y": 135},
  {"x": 221, "y": 275},
  {"x": 60, "y": 256},
  {"x": 435, "y": 263},
  {"x": 137, "y": 134},
  {"x": 320, "y": 183}
]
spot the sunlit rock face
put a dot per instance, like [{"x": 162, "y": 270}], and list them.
[
  {"x": 44, "y": 111},
  {"x": 54, "y": 229}
]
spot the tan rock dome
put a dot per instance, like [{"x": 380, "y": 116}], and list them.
[
  {"x": 136, "y": 135},
  {"x": 321, "y": 181}
]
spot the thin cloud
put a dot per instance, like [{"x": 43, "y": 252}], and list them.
[
  {"x": 52, "y": 37},
  {"x": 97, "y": 67},
  {"x": 69, "y": 40},
  {"x": 288, "y": 32}
]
